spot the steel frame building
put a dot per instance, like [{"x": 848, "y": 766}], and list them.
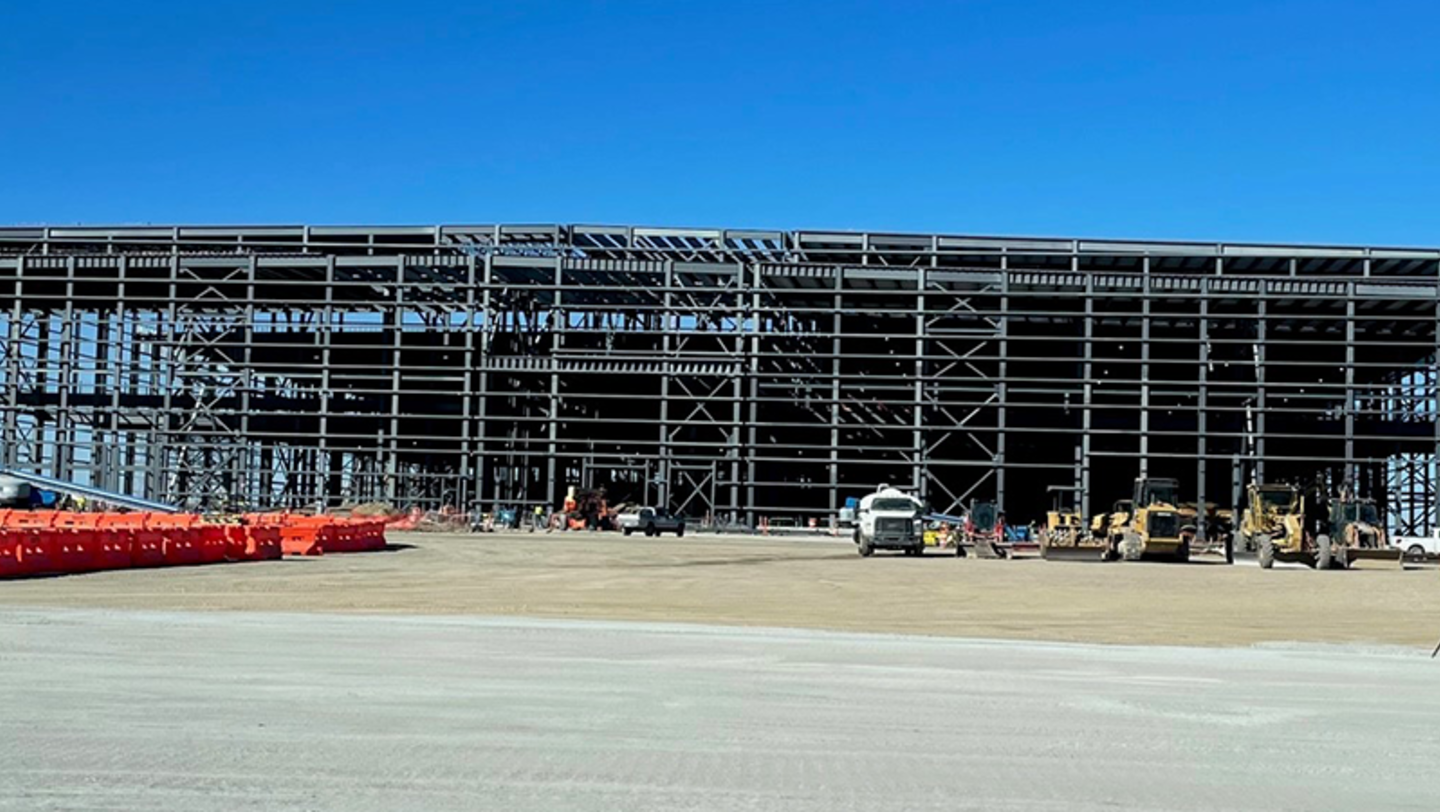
[{"x": 727, "y": 373}]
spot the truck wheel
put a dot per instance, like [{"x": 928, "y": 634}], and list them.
[
  {"x": 959, "y": 549},
  {"x": 1323, "y": 557},
  {"x": 866, "y": 548},
  {"x": 1182, "y": 553},
  {"x": 1416, "y": 554},
  {"x": 1267, "y": 552},
  {"x": 650, "y": 530},
  {"x": 920, "y": 548},
  {"x": 680, "y": 532},
  {"x": 627, "y": 531}
]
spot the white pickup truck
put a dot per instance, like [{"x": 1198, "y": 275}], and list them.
[
  {"x": 652, "y": 522},
  {"x": 1418, "y": 548}
]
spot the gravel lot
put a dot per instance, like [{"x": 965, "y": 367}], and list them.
[{"x": 819, "y": 584}]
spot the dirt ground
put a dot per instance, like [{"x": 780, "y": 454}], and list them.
[{"x": 803, "y": 584}]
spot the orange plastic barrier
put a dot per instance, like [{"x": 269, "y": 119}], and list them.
[
  {"x": 372, "y": 535},
  {"x": 9, "y": 553},
  {"x": 343, "y": 538},
  {"x": 263, "y": 543},
  {"x": 312, "y": 535},
  {"x": 147, "y": 546},
  {"x": 29, "y": 518},
  {"x": 36, "y": 552},
  {"x": 234, "y": 542},
  {"x": 211, "y": 540},
  {"x": 302, "y": 539},
  {"x": 112, "y": 548},
  {"x": 181, "y": 545},
  {"x": 78, "y": 546},
  {"x": 74, "y": 552}
]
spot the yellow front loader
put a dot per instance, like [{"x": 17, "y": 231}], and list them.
[{"x": 1151, "y": 524}]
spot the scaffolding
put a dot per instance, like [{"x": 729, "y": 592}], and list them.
[{"x": 728, "y": 374}]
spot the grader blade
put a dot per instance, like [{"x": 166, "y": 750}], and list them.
[{"x": 1379, "y": 559}]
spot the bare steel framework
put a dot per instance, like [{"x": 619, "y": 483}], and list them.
[{"x": 727, "y": 373}]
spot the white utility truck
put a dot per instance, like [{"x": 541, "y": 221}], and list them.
[{"x": 890, "y": 519}]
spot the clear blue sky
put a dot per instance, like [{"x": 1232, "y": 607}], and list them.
[{"x": 1287, "y": 121}]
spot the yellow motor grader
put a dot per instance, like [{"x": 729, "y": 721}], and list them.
[
  {"x": 1314, "y": 529},
  {"x": 1273, "y": 524},
  {"x": 1311, "y": 528}
]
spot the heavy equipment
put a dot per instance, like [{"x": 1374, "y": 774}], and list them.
[
  {"x": 1218, "y": 525},
  {"x": 983, "y": 532},
  {"x": 1066, "y": 537},
  {"x": 1312, "y": 528},
  {"x": 1273, "y": 513},
  {"x": 1356, "y": 534},
  {"x": 1151, "y": 524}
]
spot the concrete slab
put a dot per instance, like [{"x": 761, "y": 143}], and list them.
[{"x": 231, "y": 711}]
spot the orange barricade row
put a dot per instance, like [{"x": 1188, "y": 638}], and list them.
[{"x": 60, "y": 542}]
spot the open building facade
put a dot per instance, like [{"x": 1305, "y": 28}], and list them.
[{"x": 733, "y": 375}]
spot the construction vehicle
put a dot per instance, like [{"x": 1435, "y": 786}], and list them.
[
  {"x": 1219, "y": 535},
  {"x": 1220, "y": 523},
  {"x": 1152, "y": 523},
  {"x": 1356, "y": 534},
  {"x": 1066, "y": 535},
  {"x": 1272, "y": 513},
  {"x": 1313, "y": 529},
  {"x": 890, "y": 519},
  {"x": 983, "y": 532}
]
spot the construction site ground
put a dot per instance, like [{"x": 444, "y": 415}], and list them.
[{"x": 803, "y": 583}]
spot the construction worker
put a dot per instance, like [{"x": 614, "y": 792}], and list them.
[{"x": 538, "y": 523}]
